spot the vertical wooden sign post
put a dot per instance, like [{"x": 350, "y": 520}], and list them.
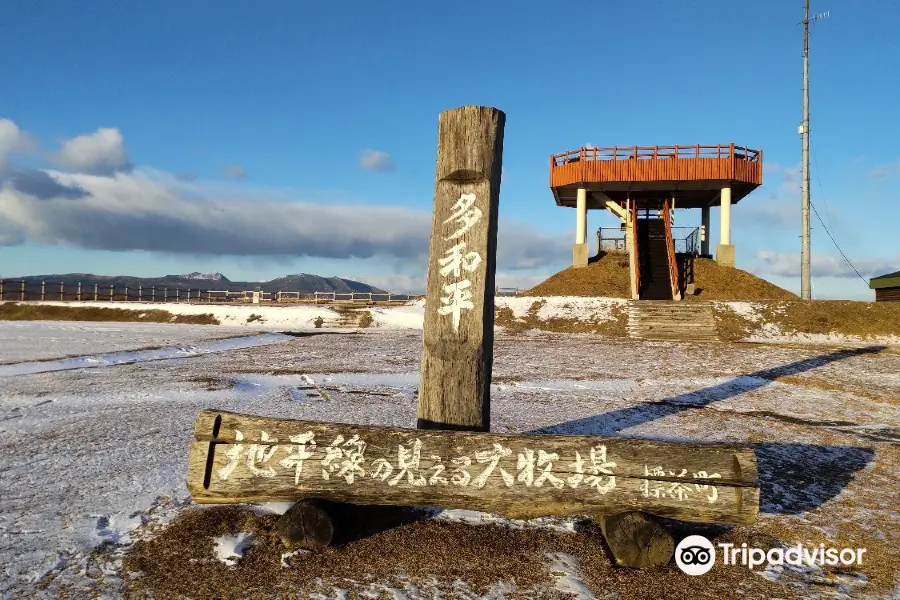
[{"x": 458, "y": 337}]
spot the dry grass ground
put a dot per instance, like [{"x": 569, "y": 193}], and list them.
[
  {"x": 725, "y": 283},
  {"x": 844, "y": 317},
  {"x": 608, "y": 277},
  {"x": 733, "y": 327},
  {"x": 616, "y": 326},
  {"x": 433, "y": 556},
  {"x": 12, "y": 311},
  {"x": 865, "y": 319}
]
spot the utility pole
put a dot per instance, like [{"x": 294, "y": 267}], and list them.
[
  {"x": 805, "y": 280},
  {"x": 805, "y": 274}
]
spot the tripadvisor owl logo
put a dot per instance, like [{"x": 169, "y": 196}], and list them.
[{"x": 695, "y": 555}]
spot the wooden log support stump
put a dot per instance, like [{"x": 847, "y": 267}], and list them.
[
  {"x": 309, "y": 523},
  {"x": 637, "y": 540},
  {"x": 316, "y": 523}
]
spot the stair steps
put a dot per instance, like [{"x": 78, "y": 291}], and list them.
[
  {"x": 654, "y": 257},
  {"x": 673, "y": 321}
]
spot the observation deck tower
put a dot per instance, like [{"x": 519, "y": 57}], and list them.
[{"x": 643, "y": 185}]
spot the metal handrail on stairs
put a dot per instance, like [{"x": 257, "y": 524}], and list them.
[
  {"x": 670, "y": 247},
  {"x": 635, "y": 245}
]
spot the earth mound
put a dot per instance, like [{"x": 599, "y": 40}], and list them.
[
  {"x": 715, "y": 282},
  {"x": 608, "y": 276}
]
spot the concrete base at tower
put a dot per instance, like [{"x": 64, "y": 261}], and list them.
[
  {"x": 725, "y": 255},
  {"x": 579, "y": 255}
]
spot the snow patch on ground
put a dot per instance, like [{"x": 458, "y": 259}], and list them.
[
  {"x": 42, "y": 340},
  {"x": 567, "y": 571},
  {"x": 297, "y": 316},
  {"x": 771, "y": 334},
  {"x": 835, "y": 584},
  {"x": 411, "y": 316},
  {"x": 287, "y": 556},
  {"x": 582, "y": 309},
  {"x": 474, "y": 517},
  {"x": 119, "y": 358},
  {"x": 747, "y": 310},
  {"x": 562, "y": 307},
  {"x": 231, "y": 548},
  {"x": 275, "y": 508},
  {"x": 319, "y": 384}
]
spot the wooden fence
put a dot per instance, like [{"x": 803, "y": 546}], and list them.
[
  {"x": 57, "y": 291},
  {"x": 22, "y": 291}
]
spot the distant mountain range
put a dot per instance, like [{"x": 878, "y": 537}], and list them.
[{"x": 301, "y": 282}]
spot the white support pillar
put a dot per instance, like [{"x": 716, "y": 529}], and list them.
[
  {"x": 580, "y": 249},
  {"x": 725, "y": 217},
  {"x": 725, "y": 251},
  {"x": 581, "y": 216},
  {"x": 704, "y": 242}
]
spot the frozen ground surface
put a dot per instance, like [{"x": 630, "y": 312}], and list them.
[
  {"x": 91, "y": 459},
  {"x": 43, "y": 340},
  {"x": 132, "y": 356}
]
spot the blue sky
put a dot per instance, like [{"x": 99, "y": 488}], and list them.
[{"x": 258, "y": 139}]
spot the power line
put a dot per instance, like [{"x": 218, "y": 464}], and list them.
[
  {"x": 836, "y": 244},
  {"x": 819, "y": 181},
  {"x": 825, "y": 205}
]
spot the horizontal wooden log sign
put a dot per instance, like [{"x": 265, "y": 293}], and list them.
[{"x": 244, "y": 458}]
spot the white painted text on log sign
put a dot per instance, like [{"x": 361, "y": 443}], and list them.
[
  {"x": 344, "y": 459},
  {"x": 456, "y": 295}
]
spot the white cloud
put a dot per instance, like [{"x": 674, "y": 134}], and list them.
[
  {"x": 13, "y": 140},
  {"x": 885, "y": 171},
  {"x": 160, "y": 212},
  {"x": 376, "y": 160},
  {"x": 519, "y": 246},
  {"x": 144, "y": 211},
  {"x": 415, "y": 284},
  {"x": 505, "y": 279},
  {"x": 99, "y": 153},
  {"x": 234, "y": 172},
  {"x": 821, "y": 265},
  {"x": 780, "y": 209},
  {"x": 396, "y": 283}
]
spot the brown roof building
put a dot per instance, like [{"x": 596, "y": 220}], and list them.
[{"x": 887, "y": 287}]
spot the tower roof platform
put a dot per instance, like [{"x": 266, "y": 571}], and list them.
[{"x": 693, "y": 175}]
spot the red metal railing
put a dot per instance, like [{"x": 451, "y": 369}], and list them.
[
  {"x": 656, "y": 163},
  {"x": 670, "y": 247}
]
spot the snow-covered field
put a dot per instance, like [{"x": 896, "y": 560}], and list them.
[
  {"x": 412, "y": 315},
  {"x": 93, "y": 459}
]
